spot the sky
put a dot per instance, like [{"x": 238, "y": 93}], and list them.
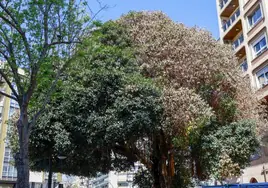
[{"x": 201, "y": 13}]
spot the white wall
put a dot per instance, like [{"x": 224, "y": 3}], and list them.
[{"x": 36, "y": 177}]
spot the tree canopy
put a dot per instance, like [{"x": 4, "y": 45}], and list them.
[
  {"x": 37, "y": 37},
  {"x": 105, "y": 101},
  {"x": 144, "y": 88}
]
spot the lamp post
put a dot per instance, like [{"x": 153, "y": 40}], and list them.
[
  {"x": 50, "y": 173},
  {"x": 264, "y": 173},
  {"x": 61, "y": 157},
  {"x": 264, "y": 170}
]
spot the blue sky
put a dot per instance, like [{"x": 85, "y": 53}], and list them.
[{"x": 201, "y": 13}]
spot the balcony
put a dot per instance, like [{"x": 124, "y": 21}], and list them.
[
  {"x": 238, "y": 41},
  {"x": 238, "y": 46},
  {"x": 232, "y": 19},
  {"x": 234, "y": 30},
  {"x": 227, "y": 7},
  {"x": 240, "y": 52}
]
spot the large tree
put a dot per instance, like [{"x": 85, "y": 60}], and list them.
[
  {"x": 35, "y": 34},
  {"x": 200, "y": 77},
  {"x": 147, "y": 89}
]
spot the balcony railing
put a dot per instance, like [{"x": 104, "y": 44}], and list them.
[
  {"x": 231, "y": 20},
  {"x": 223, "y": 2},
  {"x": 238, "y": 41}
]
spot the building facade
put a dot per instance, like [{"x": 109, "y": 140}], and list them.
[
  {"x": 115, "y": 179},
  {"x": 112, "y": 180},
  {"x": 243, "y": 24}
]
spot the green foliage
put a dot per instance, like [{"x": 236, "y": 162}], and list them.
[
  {"x": 235, "y": 141},
  {"x": 104, "y": 105},
  {"x": 12, "y": 133},
  {"x": 143, "y": 179},
  {"x": 183, "y": 176}
]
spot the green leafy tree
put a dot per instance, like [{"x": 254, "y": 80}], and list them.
[
  {"x": 103, "y": 106},
  {"x": 36, "y": 34},
  {"x": 222, "y": 152}
]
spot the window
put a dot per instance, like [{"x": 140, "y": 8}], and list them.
[
  {"x": 262, "y": 77},
  {"x": 122, "y": 184},
  {"x": 238, "y": 41},
  {"x": 255, "y": 16},
  {"x": 259, "y": 46},
  {"x": 222, "y": 3},
  {"x": 244, "y": 66},
  {"x": 35, "y": 185},
  {"x": 9, "y": 171}
]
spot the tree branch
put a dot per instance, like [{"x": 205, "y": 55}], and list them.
[
  {"x": 11, "y": 60},
  {"x": 142, "y": 159},
  {"x": 4, "y": 44},
  {"x": 4, "y": 55},
  {"x": 9, "y": 84},
  {"x": 132, "y": 154},
  {"x": 16, "y": 26},
  {"x": 95, "y": 15},
  {"x": 35, "y": 67},
  {"x": 49, "y": 93},
  {"x": 64, "y": 42},
  {"x": 10, "y": 23},
  {"x": 7, "y": 95},
  {"x": 12, "y": 63}
]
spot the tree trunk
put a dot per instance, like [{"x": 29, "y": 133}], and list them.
[
  {"x": 156, "y": 173},
  {"x": 22, "y": 157},
  {"x": 50, "y": 173},
  {"x": 162, "y": 168},
  {"x": 159, "y": 171}
]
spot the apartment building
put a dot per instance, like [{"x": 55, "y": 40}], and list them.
[{"x": 243, "y": 24}]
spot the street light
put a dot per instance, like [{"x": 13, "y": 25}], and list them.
[
  {"x": 264, "y": 170},
  {"x": 61, "y": 157}
]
